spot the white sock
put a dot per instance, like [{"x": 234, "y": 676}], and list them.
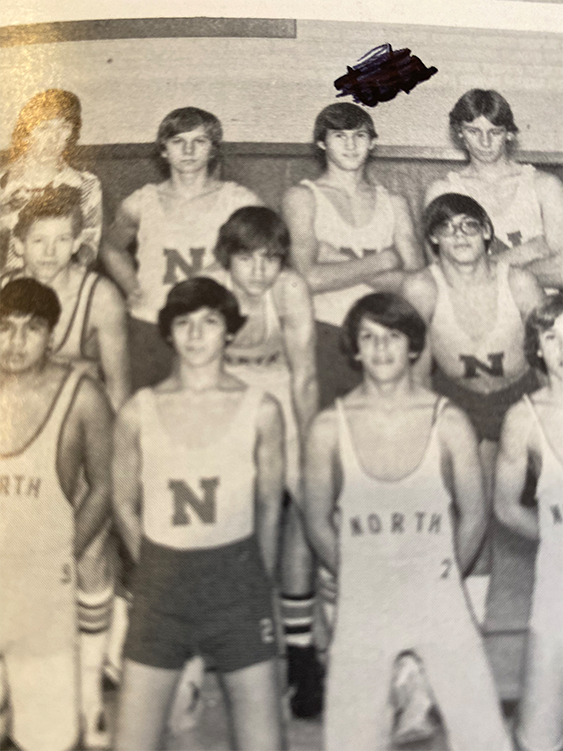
[
  {"x": 92, "y": 654},
  {"x": 117, "y": 634}
]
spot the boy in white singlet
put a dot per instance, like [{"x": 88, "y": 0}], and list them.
[
  {"x": 525, "y": 204},
  {"x": 349, "y": 235},
  {"x": 174, "y": 224},
  {"x": 55, "y": 425},
  {"x": 532, "y": 436},
  {"x": 205, "y": 454},
  {"x": 275, "y": 351},
  {"x": 475, "y": 308},
  {"x": 395, "y": 508},
  {"x": 92, "y": 336}
]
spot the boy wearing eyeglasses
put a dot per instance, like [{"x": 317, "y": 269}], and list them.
[{"x": 475, "y": 308}]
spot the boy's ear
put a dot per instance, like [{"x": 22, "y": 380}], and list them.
[
  {"x": 18, "y": 246},
  {"x": 321, "y": 145}
]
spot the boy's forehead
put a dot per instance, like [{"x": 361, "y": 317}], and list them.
[
  {"x": 199, "y": 130},
  {"x": 20, "y": 316},
  {"x": 367, "y": 322},
  {"x": 53, "y": 222},
  {"x": 359, "y": 129}
]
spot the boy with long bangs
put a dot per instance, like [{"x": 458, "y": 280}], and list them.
[
  {"x": 275, "y": 350},
  {"x": 175, "y": 225},
  {"x": 350, "y": 236},
  {"x": 205, "y": 453},
  {"x": 532, "y": 437},
  {"x": 395, "y": 509},
  {"x": 56, "y": 425},
  {"x": 91, "y": 334}
]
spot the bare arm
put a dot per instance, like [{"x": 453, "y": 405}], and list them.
[
  {"x": 526, "y": 291},
  {"x": 299, "y": 338},
  {"x": 420, "y": 290},
  {"x": 109, "y": 319},
  {"x": 321, "y": 487},
  {"x": 463, "y": 477},
  {"x": 549, "y": 268},
  {"x": 95, "y": 420},
  {"x": 269, "y": 480},
  {"x": 114, "y": 252},
  {"x": 298, "y": 209},
  {"x": 516, "y": 444},
  {"x": 126, "y": 474}
]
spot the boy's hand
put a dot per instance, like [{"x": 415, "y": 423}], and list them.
[{"x": 327, "y": 585}]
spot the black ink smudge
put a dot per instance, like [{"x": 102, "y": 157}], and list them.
[{"x": 381, "y": 73}]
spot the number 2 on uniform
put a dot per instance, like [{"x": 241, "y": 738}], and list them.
[{"x": 446, "y": 566}]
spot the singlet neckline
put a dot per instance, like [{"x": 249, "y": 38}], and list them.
[
  {"x": 268, "y": 311},
  {"x": 435, "y": 269},
  {"x": 521, "y": 182},
  {"x": 224, "y": 435},
  {"x": 437, "y": 409},
  {"x": 74, "y": 313},
  {"x": 542, "y": 430},
  {"x": 353, "y": 227},
  {"x": 190, "y": 201},
  {"x": 45, "y": 421}
]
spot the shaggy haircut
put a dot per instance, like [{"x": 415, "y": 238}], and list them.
[
  {"x": 27, "y": 296},
  {"x": 475, "y": 103},
  {"x": 340, "y": 116},
  {"x": 200, "y": 292},
  {"x": 541, "y": 319},
  {"x": 185, "y": 119},
  {"x": 249, "y": 229},
  {"x": 443, "y": 209},
  {"x": 386, "y": 309},
  {"x": 51, "y": 203}
]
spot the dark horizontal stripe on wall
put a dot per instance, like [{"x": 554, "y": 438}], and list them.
[
  {"x": 285, "y": 150},
  {"x": 143, "y": 28}
]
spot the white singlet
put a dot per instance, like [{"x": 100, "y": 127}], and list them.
[
  {"x": 38, "y": 624},
  {"x": 399, "y": 588},
  {"x": 496, "y": 359},
  {"x": 169, "y": 252},
  {"x": 521, "y": 220},
  {"x": 350, "y": 242},
  {"x": 265, "y": 366},
  {"x": 198, "y": 497},
  {"x": 541, "y": 710}
]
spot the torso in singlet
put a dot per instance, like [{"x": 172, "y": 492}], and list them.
[
  {"x": 485, "y": 363},
  {"x": 516, "y": 219},
  {"x": 202, "y": 496},
  {"x": 350, "y": 242}
]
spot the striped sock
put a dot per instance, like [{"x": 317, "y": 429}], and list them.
[
  {"x": 94, "y": 610},
  {"x": 297, "y": 616}
]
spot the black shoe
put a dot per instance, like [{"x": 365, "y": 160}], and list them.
[{"x": 305, "y": 676}]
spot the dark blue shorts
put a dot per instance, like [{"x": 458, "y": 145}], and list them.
[{"x": 215, "y": 601}]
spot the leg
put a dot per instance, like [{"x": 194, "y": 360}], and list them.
[
  {"x": 477, "y": 582},
  {"x": 95, "y": 599},
  {"x": 146, "y": 696},
  {"x": 297, "y": 603},
  {"x": 540, "y": 724},
  {"x": 255, "y": 707}
]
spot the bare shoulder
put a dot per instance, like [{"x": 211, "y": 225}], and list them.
[
  {"x": 107, "y": 297},
  {"x": 298, "y": 198},
  {"x": 324, "y": 428},
  {"x": 91, "y": 401},
  {"x": 129, "y": 414},
  {"x": 289, "y": 288},
  {"x": 455, "y": 428},
  {"x": 398, "y": 201},
  {"x": 547, "y": 184},
  {"x": 420, "y": 289},
  {"x": 525, "y": 288}
]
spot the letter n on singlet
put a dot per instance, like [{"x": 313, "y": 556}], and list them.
[
  {"x": 473, "y": 365},
  {"x": 183, "y": 496},
  {"x": 556, "y": 513},
  {"x": 176, "y": 261}
]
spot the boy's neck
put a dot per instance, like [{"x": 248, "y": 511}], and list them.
[
  {"x": 491, "y": 172},
  {"x": 348, "y": 180},
  {"x": 462, "y": 274},
  {"x": 27, "y": 380},
  {"x": 192, "y": 184},
  {"x": 389, "y": 394},
  {"x": 197, "y": 379}
]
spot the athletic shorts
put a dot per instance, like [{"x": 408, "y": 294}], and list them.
[
  {"x": 38, "y": 648},
  {"x": 215, "y": 601},
  {"x": 486, "y": 411}
]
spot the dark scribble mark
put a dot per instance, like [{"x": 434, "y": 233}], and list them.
[{"x": 381, "y": 73}]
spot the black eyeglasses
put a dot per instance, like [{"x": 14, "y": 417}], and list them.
[{"x": 468, "y": 227}]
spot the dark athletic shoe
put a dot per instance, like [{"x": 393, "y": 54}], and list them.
[{"x": 305, "y": 676}]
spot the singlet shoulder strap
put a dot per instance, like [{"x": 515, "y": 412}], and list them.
[
  {"x": 88, "y": 297},
  {"x": 348, "y": 455},
  {"x": 83, "y": 291}
]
